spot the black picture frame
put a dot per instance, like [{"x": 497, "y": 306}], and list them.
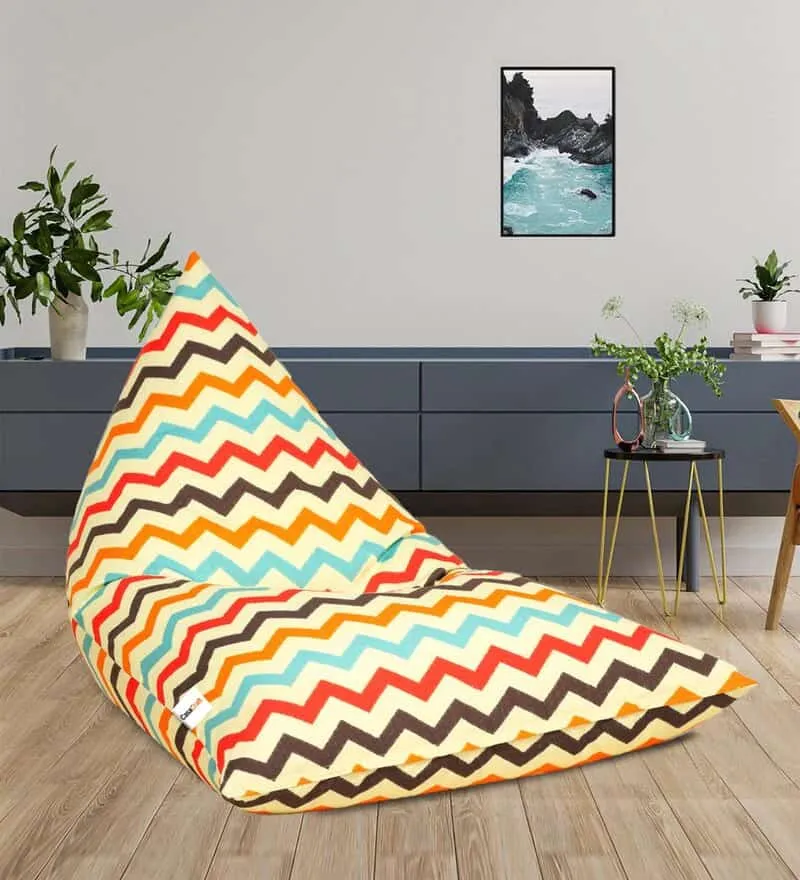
[{"x": 590, "y": 67}]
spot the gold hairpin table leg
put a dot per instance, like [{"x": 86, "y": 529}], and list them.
[
  {"x": 656, "y": 543},
  {"x": 719, "y": 589},
  {"x": 684, "y": 534},
  {"x": 604, "y": 566},
  {"x": 722, "y": 549}
]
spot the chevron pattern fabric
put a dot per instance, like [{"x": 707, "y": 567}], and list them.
[{"x": 245, "y": 590}]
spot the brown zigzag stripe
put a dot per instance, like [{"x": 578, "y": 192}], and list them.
[
  {"x": 458, "y": 711},
  {"x": 314, "y": 602},
  {"x": 113, "y": 680},
  {"x": 135, "y": 605},
  {"x": 224, "y": 504},
  {"x": 505, "y": 751},
  {"x": 194, "y": 349}
]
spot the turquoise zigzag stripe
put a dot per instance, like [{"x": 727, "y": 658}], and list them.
[
  {"x": 404, "y": 649},
  {"x": 203, "y": 288},
  {"x": 299, "y": 576},
  {"x": 213, "y": 563},
  {"x": 216, "y": 415}
]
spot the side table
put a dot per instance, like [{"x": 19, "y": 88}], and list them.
[{"x": 646, "y": 456}]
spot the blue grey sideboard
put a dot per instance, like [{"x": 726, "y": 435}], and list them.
[{"x": 450, "y": 431}]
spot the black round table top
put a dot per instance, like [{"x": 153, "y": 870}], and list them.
[{"x": 642, "y": 454}]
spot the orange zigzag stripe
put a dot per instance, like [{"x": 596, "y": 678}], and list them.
[
  {"x": 388, "y": 614},
  {"x": 239, "y": 537},
  {"x": 203, "y": 381}
]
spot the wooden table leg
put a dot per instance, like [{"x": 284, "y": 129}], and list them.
[{"x": 783, "y": 567}]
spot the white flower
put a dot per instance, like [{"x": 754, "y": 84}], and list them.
[
  {"x": 685, "y": 312},
  {"x": 612, "y": 307}
]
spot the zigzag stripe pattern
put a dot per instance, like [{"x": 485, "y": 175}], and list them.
[
  {"x": 216, "y": 466},
  {"x": 227, "y": 543}
]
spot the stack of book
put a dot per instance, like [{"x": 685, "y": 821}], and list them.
[
  {"x": 691, "y": 444},
  {"x": 752, "y": 346}
]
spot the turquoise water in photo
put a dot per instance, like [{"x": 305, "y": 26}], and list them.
[{"x": 541, "y": 195}]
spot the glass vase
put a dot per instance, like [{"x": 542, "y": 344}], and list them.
[{"x": 666, "y": 416}]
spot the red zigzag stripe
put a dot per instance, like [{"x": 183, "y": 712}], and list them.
[
  {"x": 210, "y": 323},
  {"x": 423, "y": 690},
  {"x": 227, "y": 451}
]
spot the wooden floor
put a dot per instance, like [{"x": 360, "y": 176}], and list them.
[{"x": 85, "y": 794}]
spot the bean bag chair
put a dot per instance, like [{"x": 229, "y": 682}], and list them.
[{"x": 243, "y": 588}]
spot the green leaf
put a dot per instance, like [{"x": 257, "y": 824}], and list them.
[
  {"x": 114, "y": 257},
  {"x": 37, "y": 263},
  {"x": 771, "y": 262},
  {"x": 80, "y": 255},
  {"x": 93, "y": 203},
  {"x": 44, "y": 241},
  {"x": 54, "y": 186},
  {"x": 43, "y": 284},
  {"x": 34, "y": 185},
  {"x": 5, "y": 244},
  {"x": 25, "y": 287},
  {"x": 97, "y": 291},
  {"x": 156, "y": 256},
  {"x": 97, "y": 222},
  {"x": 66, "y": 280},
  {"x": 136, "y": 316},
  {"x": 117, "y": 286},
  {"x": 84, "y": 189},
  {"x": 12, "y": 299},
  {"x": 19, "y": 226},
  {"x": 52, "y": 154},
  {"x": 69, "y": 167},
  {"x": 8, "y": 269},
  {"x": 85, "y": 270}
]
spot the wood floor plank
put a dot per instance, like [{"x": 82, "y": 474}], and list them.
[
  {"x": 255, "y": 847},
  {"x": 569, "y": 833},
  {"x": 492, "y": 837},
  {"x": 415, "y": 839},
  {"x": 35, "y": 827},
  {"x": 339, "y": 843},
  {"x": 741, "y": 743},
  {"x": 82, "y": 789},
  {"x": 184, "y": 834},
  {"x": 759, "y": 589},
  {"x": 720, "y": 829},
  {"x": 102, "y": 841}
]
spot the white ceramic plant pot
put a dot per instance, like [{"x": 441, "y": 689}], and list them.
[
  {"x": 68, "y": 328},
  {"x": 770, "y": 316}
]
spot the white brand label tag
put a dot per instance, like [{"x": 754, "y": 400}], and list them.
[{"x": 192, "y": 708}]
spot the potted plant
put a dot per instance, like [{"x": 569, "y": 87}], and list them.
[
  {"x": 53, "y": 254},
  {"x": 665, "y": 414},
  {"x": 770, "y": 310}
]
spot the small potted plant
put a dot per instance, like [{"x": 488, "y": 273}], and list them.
[
  {"x": 53, "y": 254},
  {"x": 665, "y": 414},
  {"x": 771, "y": 283}
]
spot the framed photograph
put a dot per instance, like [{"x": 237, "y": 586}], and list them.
[{"x": 557, "y": 151}]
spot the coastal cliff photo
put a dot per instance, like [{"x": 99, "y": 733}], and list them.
[{"x": 557, "y": 148}]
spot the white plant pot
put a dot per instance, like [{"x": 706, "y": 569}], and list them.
[
  {"x": 68, "y": 328},
  {"x": 770, "y": 316}
]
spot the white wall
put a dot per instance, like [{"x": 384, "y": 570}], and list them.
[{"x": 337, "y": 165}]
